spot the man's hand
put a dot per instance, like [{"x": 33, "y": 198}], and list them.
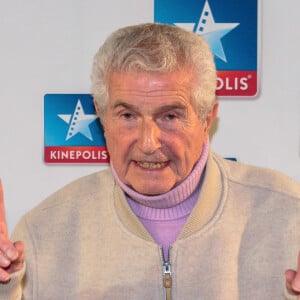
[
  {"x": 292, "y": 278},
  {"x": 11, "y": 254}
]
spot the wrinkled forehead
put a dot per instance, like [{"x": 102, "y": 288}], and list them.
[
  {"x": 152, "y": 80},
  {"x": 150, "y": 92},
  {"x": 180, "y": 82}
]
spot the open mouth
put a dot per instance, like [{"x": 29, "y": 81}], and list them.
[{"x": 151, "y": 165}]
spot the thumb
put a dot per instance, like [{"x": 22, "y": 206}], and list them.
[{"x": 3, "y": 226}]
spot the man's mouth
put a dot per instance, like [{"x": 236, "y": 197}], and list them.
[{"x": 151, "y": 165}]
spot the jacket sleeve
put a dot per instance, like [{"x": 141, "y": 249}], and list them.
[
  {"x": 13, "y": 289},
  {"x": 288, "y": 296}
]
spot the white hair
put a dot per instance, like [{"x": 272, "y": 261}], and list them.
[{"x": 156, "y": 48}]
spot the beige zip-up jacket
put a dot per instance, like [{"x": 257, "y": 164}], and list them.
[{"x": 84, "y": 242}]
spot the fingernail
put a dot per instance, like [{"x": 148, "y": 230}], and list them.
[
  {"x": 5, "y": 277},
  {"x": 4, "y": 261},
  {"x": 296, "y": 288},
  {"x": 296, "y": 285},
  {"x": 12, "y": 254}
]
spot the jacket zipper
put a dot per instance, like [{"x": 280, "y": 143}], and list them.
[
  {"x": 167, "y": 279},
  {"x": 167, "y": 275}
]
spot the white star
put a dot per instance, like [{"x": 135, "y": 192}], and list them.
[
  {"x": 79, "y": 122},
  {"x": 212, "y": 31}
]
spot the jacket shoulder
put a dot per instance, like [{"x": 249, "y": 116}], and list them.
[
  {"x": 77, "y": 192},
  {"x": 253, "y": 176}
]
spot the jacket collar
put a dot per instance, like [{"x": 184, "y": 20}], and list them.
[{"x": 207, "y": 208}]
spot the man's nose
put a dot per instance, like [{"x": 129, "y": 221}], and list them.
[{"x": 149, "y": 137}]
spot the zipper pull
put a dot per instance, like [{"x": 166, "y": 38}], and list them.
[{"x": 167, "y": 274}]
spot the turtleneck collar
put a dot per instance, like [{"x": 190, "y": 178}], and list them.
[{"x": 176, "y": 195}]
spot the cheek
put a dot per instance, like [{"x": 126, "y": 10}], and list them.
[
  {"x": 118, "y": 145},
  {"x": 111, "y": 142},
  {"x": 191, "y": 146},
  {"x": 110, "y": 131}
]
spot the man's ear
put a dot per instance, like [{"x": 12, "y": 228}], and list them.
[
  {"x": 96, "y": 107},
  {"x": 98, "y": 113},
  {"x": 211, "y": 116}
]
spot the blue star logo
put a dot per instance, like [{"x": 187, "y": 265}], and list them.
[
  {"x": 212, "y": 31},
  {"x": 78, "y": 122}
]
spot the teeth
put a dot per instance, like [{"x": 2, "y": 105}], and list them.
[{"x": 151, "y": 165}]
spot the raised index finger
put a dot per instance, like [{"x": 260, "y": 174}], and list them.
[{"x": 3, "y": 226}]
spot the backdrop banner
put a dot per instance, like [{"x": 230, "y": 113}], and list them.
[
  {"x": 230, "y": 28},
  {"x": 72, "y": 131}
]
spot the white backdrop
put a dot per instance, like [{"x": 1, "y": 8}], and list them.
[{"x": 47, "y": 47}]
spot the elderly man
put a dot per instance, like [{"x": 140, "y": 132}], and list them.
[{"x": 169, "y": 219}]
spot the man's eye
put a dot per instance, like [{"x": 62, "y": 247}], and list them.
[
  {"x": 171, "y": 117},
  {"x": 127, "y": 116}
]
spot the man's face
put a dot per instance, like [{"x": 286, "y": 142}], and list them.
[{"x": 153, "y": 134}]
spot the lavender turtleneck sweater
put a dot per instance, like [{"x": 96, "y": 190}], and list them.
[{"x": 164, "y": 215}]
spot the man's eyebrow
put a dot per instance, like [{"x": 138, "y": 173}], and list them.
[
  {"x": 123, "y": 104},
  {"x": 162, "y": 108},
  {"x": 176, "y": 105}
]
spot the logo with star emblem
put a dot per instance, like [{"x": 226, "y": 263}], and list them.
[
  {"x": 231, "y": 30},
  {"x": 79, "y": 122},
  {"x": 72, "y": 131}
]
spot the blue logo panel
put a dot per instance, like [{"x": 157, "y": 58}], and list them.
[
  {"x": 231, "y": 29},
  {"x": 72, "y": 130}
]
